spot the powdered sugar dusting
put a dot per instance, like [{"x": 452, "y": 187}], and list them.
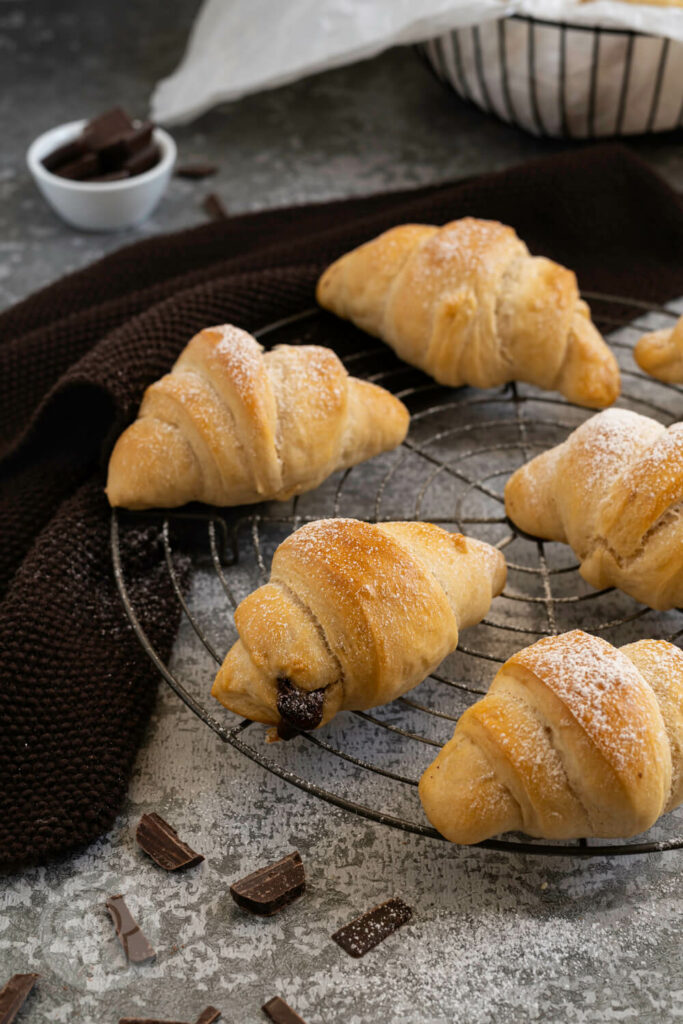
[
  {"x": 242, "y": 352},
  {"x": 592, "y": 678},
  {"x": 616, "y": 437}
]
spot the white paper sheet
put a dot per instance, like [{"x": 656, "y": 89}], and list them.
[{"x": 242, "y": 46}]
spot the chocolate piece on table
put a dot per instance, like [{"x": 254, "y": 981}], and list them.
[
  {"x": 141, "y": 161},
  {"x": 196, "y": 169},
  {"x": 215, "y": 207},
  {"x": 301, "y": 708},
  {"x": 280, "y": 1013},
  {"x": 271, "y": 888},
  {"x": 65, "y": 154},
  {"x": 103, "y": 129},
  {"x": 81, "y": 169},
  {"x": 14, "y": 994},
  {"x": 208, "y": 1016},
  {"x": 157, "y": 838},
  {"x": 149, "y": 1020},
  {"x": 364, "y": 933},
  {"x": 132, "y": 938}
]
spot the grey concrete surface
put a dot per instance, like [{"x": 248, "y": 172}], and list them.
[{"x": 495, "y": 937}]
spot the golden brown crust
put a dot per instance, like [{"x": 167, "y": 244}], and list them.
[
  {"x": 365, "y": 610},
  {"x": 231, "y": 425},
  {"x": 613, "y": 491},
  {"x": 574, "y": 738},
  {"x": 660, "y": 353},
  {"x": 468, "y": 304}
]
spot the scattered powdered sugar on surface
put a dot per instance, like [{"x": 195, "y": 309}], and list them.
[{"x": 590, "y": 676}]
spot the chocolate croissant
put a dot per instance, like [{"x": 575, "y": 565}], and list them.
[
  {"x": 354, "y": 615},
  {"x": 574, "y": 738},
  {"x": 660, "y": 353},
  {"x": 613, "y": 491},
  {"x": 468, "y": 304},
  {"x": 231, "y": 425}
]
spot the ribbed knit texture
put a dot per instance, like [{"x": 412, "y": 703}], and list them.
[{"x": 75, "y": 688}]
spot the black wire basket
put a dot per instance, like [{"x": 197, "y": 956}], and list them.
[
  {"x": 564, "y": 80},
  {"x": 462, "y": 446}
]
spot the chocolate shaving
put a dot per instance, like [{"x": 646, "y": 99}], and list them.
[
  {"x": 196, "y": 169},
  {"x": 215, "y": 207},
  {"x": 158, "y": 839},
  {"x": 132, "y": 938},
  {"x": 14, "y": 995},
  {"x": 279, "y": 1012},
  {"x": 301, "y": 708},
  {"x": 208, "y": 1016},
  {"x": 271, "y": 888},
  {"x": 364, "y": 933}
]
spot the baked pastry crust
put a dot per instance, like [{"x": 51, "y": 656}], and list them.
[
  {"x": 660, "y": 353},
  {"x": 613, "y": 491},
  {"x": 574, "y": 738},
  {"x": 468, "y": 304},
  {"x": 356, "y": 613},
  {"x": 232, "y": 424}
]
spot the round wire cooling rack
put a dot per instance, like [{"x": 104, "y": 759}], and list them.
[{"x": 462, "y": 446}]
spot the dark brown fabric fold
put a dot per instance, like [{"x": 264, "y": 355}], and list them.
[{"x": 75, "y": 688}]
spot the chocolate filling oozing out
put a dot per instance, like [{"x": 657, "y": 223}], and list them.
[{"x": 302, "y": 709}]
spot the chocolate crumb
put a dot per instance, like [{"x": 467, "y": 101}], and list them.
[
  {"x": 132, "y": 938},
  {"x": 208, "y": 1016},
  {"x": 364, "y": 933},
  {"x": 196, "y": 169},
  {"x": 302, "y": 709},
  {"x": 280, "y": 1013},
  {"x": 14, "y": 995},
  {"x": 158, "y": 839},
  {"x": 215, "y": 207},
  {"x": 271, "y": 888}
]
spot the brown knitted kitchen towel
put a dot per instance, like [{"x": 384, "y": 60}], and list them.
[{"x": 75, "y": 688}]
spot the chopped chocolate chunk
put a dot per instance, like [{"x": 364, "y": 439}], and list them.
[
  {"x": 301, "y": 708},
  {"x": 279, "y": 1012},
  {"x": 215, "y": 207},
  {"x": 141, "y": 161},
  {"x": 196, "y": 169},
  {"x": 271, "y": 888},
  {"x": 364, "y": 933},
  {"x": 158, "y": 839},
  {"x": 65, "y": 154},
  {"x": 132, "y": 938},
  {"x": 80, "y": 169},
  {"x": 285, "y": 731},
  {"x": 14, "y": 995},
  {"x": 101, "y": 130},
  {"x": 149, "y": 1020},
  {"x": 111, "y": 176},
  {"x": 110, "y": 147},
  {"x": 126, "y": 144},
  {"x": 208, "y": 1016}
]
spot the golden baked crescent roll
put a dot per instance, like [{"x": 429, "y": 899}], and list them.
[
  {"x": 232, "y": 424},
  {"x": 354, "y": 615},
  {"x": 574, "y": 738},
  {"x": 468, "y": 304},
  {"x": 613, "y": 491},
  {"x": 660, "y": 353}
]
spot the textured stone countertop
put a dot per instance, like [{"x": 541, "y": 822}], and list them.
[{"x": 494, "y": 937}]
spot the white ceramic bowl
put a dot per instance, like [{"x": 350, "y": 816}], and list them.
[{"x": 100, "y": 205}]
